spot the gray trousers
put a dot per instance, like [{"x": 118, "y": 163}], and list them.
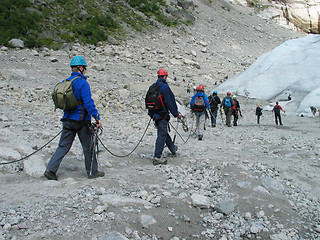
[
  {"x": 200, "y": 123},
  {"x": 69, "y": 131}
]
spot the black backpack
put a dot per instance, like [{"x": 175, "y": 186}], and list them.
[
  {"x": 277, "y": 109},
  {"x": 153, "y": 97}
]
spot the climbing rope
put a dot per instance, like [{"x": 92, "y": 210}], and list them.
[
  {"x": 95, "y": 139},
  {"x": 121, "y": 156},
  {"x": 4, "y": 163},
  {"x": 186, "y": 128}
]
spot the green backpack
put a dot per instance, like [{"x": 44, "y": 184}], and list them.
[{"x": 63, "y": 96}]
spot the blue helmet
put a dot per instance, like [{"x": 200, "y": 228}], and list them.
[
  {"x": 78, "y": 61},
  {"x": 215, "y": 92}
]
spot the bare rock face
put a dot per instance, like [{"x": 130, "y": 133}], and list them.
[{"x": 301, "y": 15}]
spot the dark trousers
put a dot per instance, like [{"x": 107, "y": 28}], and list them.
[
  {"x": 69, "y": 131},
  {"x": 235, "y": 114},
  {"x": 277, "y": 116},
  {"x": 258, "y": 119},
  {"x": 214, "y": 114},
  {"x": 163, "y": 138}
]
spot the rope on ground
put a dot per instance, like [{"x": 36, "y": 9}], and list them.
[
  {"x": 122, "y": 156},
  {"x": 4, "y": 163}
]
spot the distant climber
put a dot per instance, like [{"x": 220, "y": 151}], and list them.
[
  {"x": 276, "y": 109},
  {"x": 258, "y": 113}
]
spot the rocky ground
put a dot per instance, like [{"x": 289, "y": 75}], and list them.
[{"x": 246, "y": 182}]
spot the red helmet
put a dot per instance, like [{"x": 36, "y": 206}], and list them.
[
  {"x": 199, "y": 88},
  {"x": 162, "y": 72},
  {"x": 228, "y": 93}
]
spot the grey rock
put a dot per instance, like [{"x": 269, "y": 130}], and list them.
[
  {"x": 8, "y": 154},
  {"x": 261, "y": 189},
  {"x": 271, "y": 183},
  {"x": 99, "y": 209},
  {"x": 18, "y": 43},
  {"x": 34, "y": 166},
  {"x": 225, "y": 207},
  {"x": 118, "y": 200},
  {"x": 147, "y": 220},
  {"x": 53, "y": 59},
  {"x": 113, "y": 236},
  {"x": 185, "y": 4},
  {"x": 199, "y": 200}
]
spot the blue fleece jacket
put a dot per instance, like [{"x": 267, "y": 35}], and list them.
[
  {"x": 168, "y": 100},
  {"x": 82, "y": 92},
  {"x": 200, "y": 94}
]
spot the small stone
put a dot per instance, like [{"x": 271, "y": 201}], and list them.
[
  {"x": 254, "y": 229},
  {"x": 147, "y": 220},
  {"x": 22, "y": 226},
  {"x": 248, "y": 216},
  {"x": 99, "y": 209},
  {"x": 260, "y": 214}
]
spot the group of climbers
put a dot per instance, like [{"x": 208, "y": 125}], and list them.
[
  {"x": 229, "y": 105},
  {"x": 160, "y": 102}
]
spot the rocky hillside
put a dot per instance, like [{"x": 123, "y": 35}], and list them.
[
  {"x": 51, "y": 23},
  {"x": 54, "y": 23}
]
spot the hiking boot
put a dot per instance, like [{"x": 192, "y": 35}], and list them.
[
  {"x": 96, "y": 175},
  {"x": 50, "y": 175},
  {"x": 213, "y": 125},
  {"x": 200, "y": 137},
  {"x": 157, "y": 161},
  {"x": 174, "y": 152}
]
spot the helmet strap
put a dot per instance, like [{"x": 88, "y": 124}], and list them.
[{"x": 81, "y": 71}]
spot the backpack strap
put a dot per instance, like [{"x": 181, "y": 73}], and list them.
[{"x": 76, "y": 77}]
